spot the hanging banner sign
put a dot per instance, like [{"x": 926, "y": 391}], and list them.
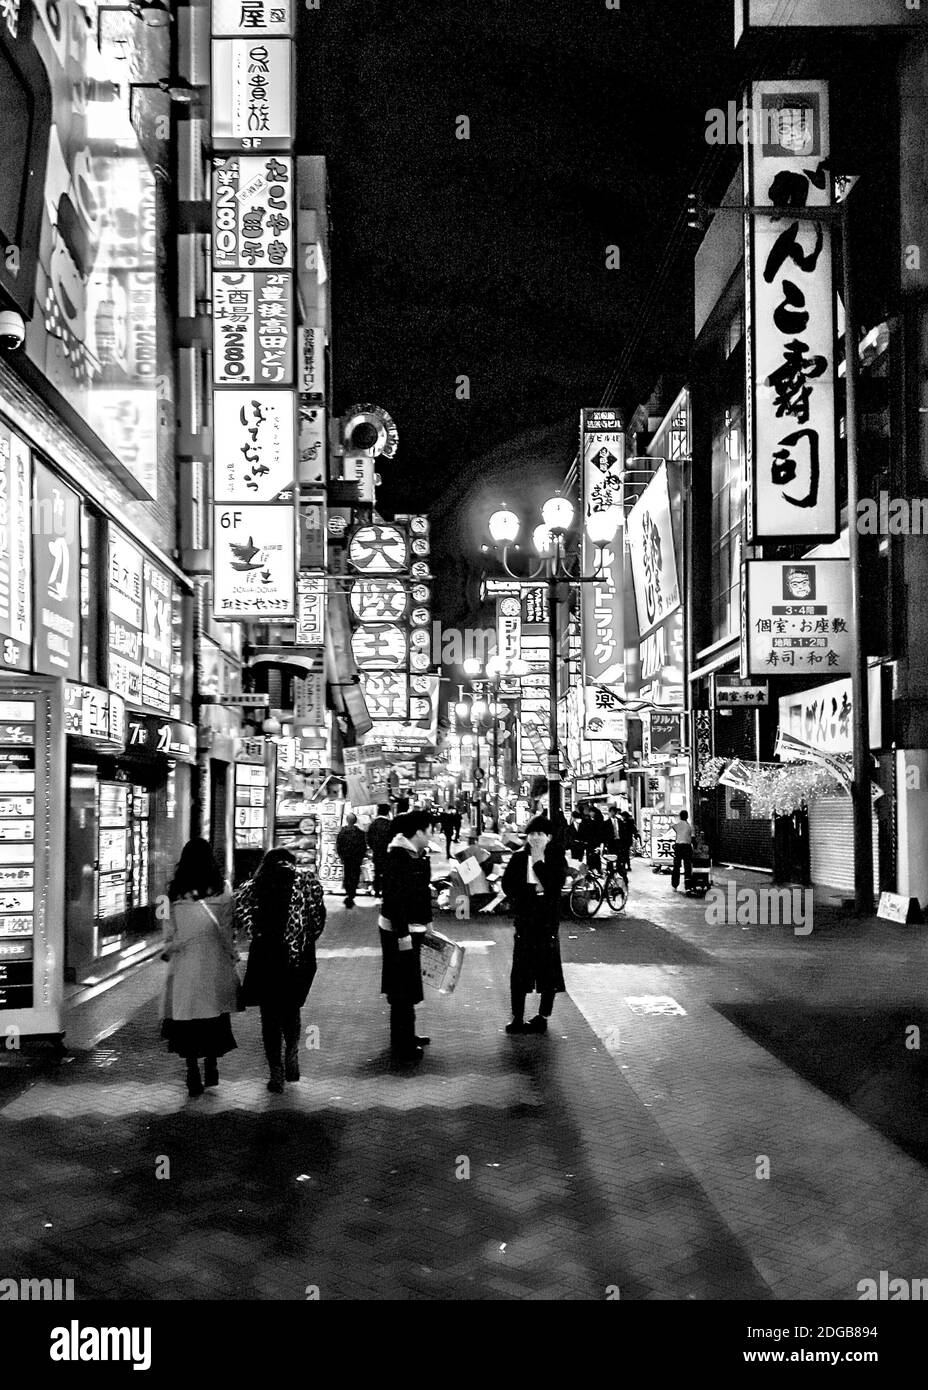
[
  {"x": 309, "y": 699},
  {"x": 310, "y": 610},
  {"x": 15, "y": 552},
  {"x": 602, "y": 443},
  {"x": 604, "y": 717},
  {"x": 253, "y": 328},
  {"x": 651, "y": 545},
  {"x": 252, "y": 18},
  {"x": 790, "y": 339},
  {"x": 797, "y": 617},
  {"x": 253, "y": 213},
  {"x": 254, "y": 562},
  {"x": 311, "y": 361},
  {"x": 57, "y": 552},
  {"x": 252, "y": 94},
  {"x": 509, "y": 629},
  {"x": 254, "y": 445}
]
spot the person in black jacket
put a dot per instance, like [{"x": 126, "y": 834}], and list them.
[
  {"x": 351, "y": 847},
  {"x": 533, "y": 882},
  {"x": 406, "y": 914},
  {"x": 379, "y": 835}
]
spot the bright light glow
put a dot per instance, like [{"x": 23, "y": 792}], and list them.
[
  {"x": 543, "y": 541},
  {"x": 478, "y": 709},
  {"x": 557, "y": 513},
  {"x": 472, "y": 666},
  {"x": 462, "y": 709},
  {"x": 496, "y": 665},
  {"x": 504, "y": 526},
  {"x": 601, "y": 527},
  {"x": 498, "y": 710}
]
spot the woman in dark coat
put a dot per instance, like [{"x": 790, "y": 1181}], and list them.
[
  {"x": 283, "y": 910},
  {"x": 533, "y": 882},
  {"x": 405, "y": 915}
]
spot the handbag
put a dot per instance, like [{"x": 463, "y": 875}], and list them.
[{"x": 239, "y": 1006}]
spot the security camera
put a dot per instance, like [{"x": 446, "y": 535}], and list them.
[{"x": 12, "y": 330}]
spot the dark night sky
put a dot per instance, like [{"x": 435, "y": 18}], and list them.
[{"x": 486, "y": 257}]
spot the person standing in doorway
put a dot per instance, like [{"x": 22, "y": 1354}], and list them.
[
  {"x": 379, "y": 835},
  {"x": 283, "y": 910},
  {"x": 202, "y": 984},
  {"x": 351, "y": 847},
  {"x": 532, "y": 882},
  {"x": 682, "y": 852},
  {"x": 406, "y": 914}
]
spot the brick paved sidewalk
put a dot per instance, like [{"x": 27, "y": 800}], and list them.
[{"x": 618, "y": 1151}]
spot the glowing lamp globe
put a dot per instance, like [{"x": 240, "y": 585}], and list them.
[
  {"x": 543, "y": 541},
  {"x": 557, "y": 514},
  {"x": 504, "y": 526},
  {"x": 602, "y": 527}
]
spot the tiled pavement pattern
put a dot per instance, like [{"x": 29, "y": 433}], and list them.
[{"x": 617, "y": 1152}]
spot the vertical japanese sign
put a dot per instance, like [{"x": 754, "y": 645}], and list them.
[
  {"x": 602, "y": 443},
  {"x": 252, "y": 94},
  {"x": 509, "y": 628},
  {"x": 57, "y": 559},
  {"x": 651, "y": 546},
  {"x": 790, "y": 339},
  {"x": 797, "y": 617},
  {"x": 126, "y": 609},
  {"x": 253, "y": 336},
  {"x": 15, "y": 552},
  {"x": 253, "y": 213}
]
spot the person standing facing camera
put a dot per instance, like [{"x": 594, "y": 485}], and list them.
[
  {"x": 405, "y": 916},
  {"x": 533, "y": 882}
]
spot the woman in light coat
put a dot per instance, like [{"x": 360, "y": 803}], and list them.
[{"x": 202, "y": 985}]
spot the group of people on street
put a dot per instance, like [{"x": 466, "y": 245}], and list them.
[
  {"x": 352, "y": 845},
  {"x": 590, "y": 833},
  {"x": 281, "y": 910}
]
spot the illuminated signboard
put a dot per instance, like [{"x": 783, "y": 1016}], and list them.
[
  {"x": 15, "y": 552},
  {"x": 253, "y": 213},
  {"x": 654, "y": 568},
  {"x": 57, "y": 552},
  {"x": 379, "y": 549},
  {"x": 252, "y": 94},
  {"x": 255, "y": 443},
  {"x": 790, "y": 340},
  {"x": 797, "y": 617},
  {"x": 310, "y": 610},
  {"x": 253, "y": 328},
  {"x": 254, "y": 559},
  {"x": 274, "y": 18},
  {"x": 602, "y": 603},
  {"x": 141, "y": 600}
]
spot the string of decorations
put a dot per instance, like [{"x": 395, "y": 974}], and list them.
[{"x": 774, "y": 789}]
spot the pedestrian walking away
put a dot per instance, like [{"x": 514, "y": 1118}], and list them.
[
  {"x": 351, "y": 848},
  {"x": 533, "y": 882},
  {"x": 282, "y": 909},
  {"x": 446, "y": 821},
  {"x": 202, "y": 985},
  {"x": 379, "y": 834},
  {"x": 682, "y": 851},
  {"x": 406, "y": 914}
]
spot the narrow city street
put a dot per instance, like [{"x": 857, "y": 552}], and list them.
[{"x": 622, "y": 1155}]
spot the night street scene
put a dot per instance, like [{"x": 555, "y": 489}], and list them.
[{"x": 463, "y": 669}]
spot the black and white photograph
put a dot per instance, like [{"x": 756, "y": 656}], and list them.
[{"x": 463, "y": 675}]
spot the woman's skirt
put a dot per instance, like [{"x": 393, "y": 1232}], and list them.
[{"x": 199, "y": 1037}]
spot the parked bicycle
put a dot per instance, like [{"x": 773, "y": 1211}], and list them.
[{"x": 586, "y": 889}]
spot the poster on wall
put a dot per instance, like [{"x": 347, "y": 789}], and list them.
[
  {"x": 253, "y": 213},
  {"x": 254, "y": 451},
  {"x": 57, "y": 551},
  {"x": 790, "y": 339},
  {"x": 15, "y": 552},
  {"x": 253, "y": 328},
  {"x": 254, "y": 562},
  {"x": 252, "y": 94},
  {"x": 94, "y": 333}
]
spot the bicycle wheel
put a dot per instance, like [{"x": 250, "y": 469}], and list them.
[
  {"x": 586, "y": 897},
  {"x": 617, "y": 892}
]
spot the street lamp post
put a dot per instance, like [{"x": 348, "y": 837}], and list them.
[{"x": 554, "y": 569}]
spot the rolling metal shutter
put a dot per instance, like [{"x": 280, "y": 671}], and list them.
[{"x": 831, "y": 843}]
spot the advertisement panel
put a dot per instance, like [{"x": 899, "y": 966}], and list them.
[
  {"x": 603, "y": 625},
  {"x": 254, "y": 455},
  {"x": 126, "y": 608},
  {"x": 311, "y": 360},
  {"x": 57, "y": 552},
  {"x": 247, "y": 18},
  {"x": 15, "y": 551},
  {"x": 253, "y": 213},
  {"x": 790, "y": 343},
  {"x": 253, "y": 328},
  {"x": 797, "y": 617},
  {"x": 254, "y": 562},
  {"x": 310, "y": 610},
  {"x": 252, "y": 94},
  {"x": 157, "y": 603},
  {"x": 653, "y": 560},
  {"x": 93, "y": 335}
]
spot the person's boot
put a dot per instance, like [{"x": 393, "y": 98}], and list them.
[
  {"x": 210, "y": 1072},
  {"x": 516, "y": 1026},
  {"x": 539, "y": 1024},
  {"x": 276, "y": 1083},
  {"x": 194, "y": 1082},
  {"x": 292, "y": 1063}
]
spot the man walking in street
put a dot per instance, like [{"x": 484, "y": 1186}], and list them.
[
  {"x": 351, "y": 847},
  {"x": 682, "y": 852},
  {"x": 379, "y": 835},
  {"x": 406, "y": 915}
]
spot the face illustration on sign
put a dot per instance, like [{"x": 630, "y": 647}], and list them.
[{"x": 378, "y": 549}]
